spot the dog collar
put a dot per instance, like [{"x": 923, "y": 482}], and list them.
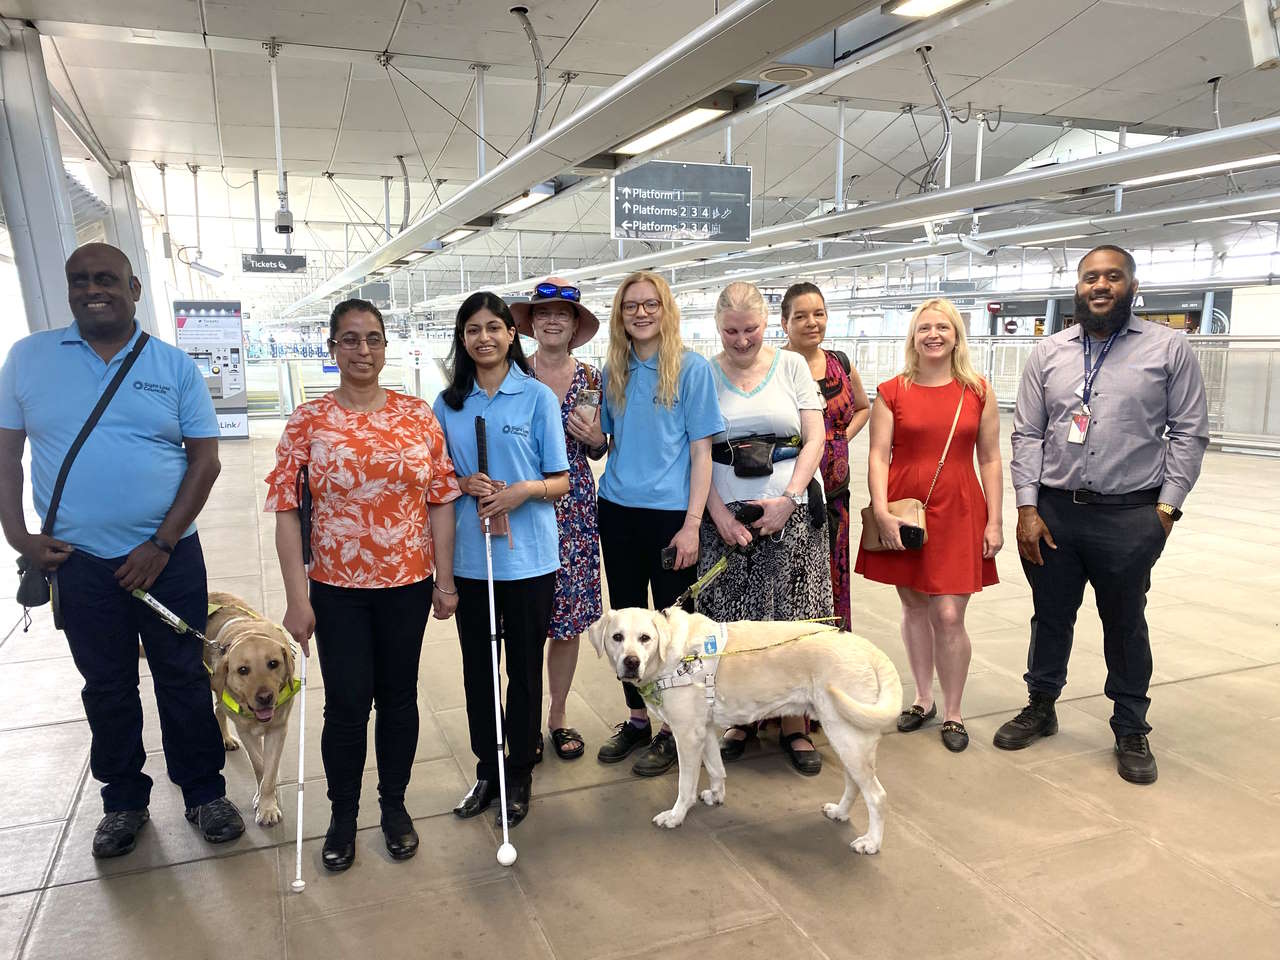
[{"x": 283, "y": 695}]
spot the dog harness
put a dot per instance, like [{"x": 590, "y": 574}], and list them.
[
  {"x": 283, "y": 695},
  {"x": 692, "y": 668}
]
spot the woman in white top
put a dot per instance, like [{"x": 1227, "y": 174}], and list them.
[{"x": 765, "y": 464}]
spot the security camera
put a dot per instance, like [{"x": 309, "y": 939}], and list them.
[
  {"x": 284, "y": 221},
  {"x": 974, "y": 245}
]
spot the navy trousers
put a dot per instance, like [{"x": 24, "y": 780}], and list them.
[
  {"x": 1113, "y": 548},
  {"x": 103, "y": 625}
]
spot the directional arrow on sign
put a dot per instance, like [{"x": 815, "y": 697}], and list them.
[
  {"x": 626, "y": 191},
  {"x": 626, "y": 207}
]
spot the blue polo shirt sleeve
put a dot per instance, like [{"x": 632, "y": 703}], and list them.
[
  {"x": 196, "y": 416},
  {"x": 551, "y": 442},
  {"x": 11, "y": 417},
  {"x": 698, "y": 399},
  {"x": 606, "y": 418}
]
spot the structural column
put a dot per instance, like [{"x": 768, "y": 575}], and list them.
[
  {"x": 33, "y": 188},
  {"x": 124, "y": 229}
]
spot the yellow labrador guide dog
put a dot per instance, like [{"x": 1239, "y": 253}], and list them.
[
  {"x": 251, "y": 669},
  {"x": 700, "y": 676}
]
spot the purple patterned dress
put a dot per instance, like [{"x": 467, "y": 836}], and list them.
[{"x": 577, "y": 602}]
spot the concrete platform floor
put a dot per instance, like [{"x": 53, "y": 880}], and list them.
[{"x": 987, "y": 854}]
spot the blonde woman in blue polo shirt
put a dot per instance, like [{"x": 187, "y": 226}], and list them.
[
  {"x": 528, "y": 471},
  {"x": 660, "y": 407}
]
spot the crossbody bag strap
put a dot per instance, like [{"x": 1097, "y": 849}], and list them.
[
  {"x": 947, "y": 448},
  {"x": 51, "y": 514}
]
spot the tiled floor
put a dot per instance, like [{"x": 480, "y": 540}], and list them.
[{"x": 987, "y": 854}]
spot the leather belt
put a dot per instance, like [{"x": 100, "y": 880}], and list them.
[{"x": 1089, "y": 497}]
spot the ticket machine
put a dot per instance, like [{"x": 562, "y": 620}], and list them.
[{"x": 211, "y": 332}]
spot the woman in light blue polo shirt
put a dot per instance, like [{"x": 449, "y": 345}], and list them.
[
  {"x": 528, "y": 471},
  {"x": 660, "y": 407}
]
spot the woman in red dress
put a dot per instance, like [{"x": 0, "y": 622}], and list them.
[{"x": 910, "y": 421}]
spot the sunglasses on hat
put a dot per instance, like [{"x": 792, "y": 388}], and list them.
[{"x": 551, "y": 290}]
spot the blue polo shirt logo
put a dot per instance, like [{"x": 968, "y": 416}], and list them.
[
  {"x": 146, "y": 387},
  {"x": 516, "y": 429}
]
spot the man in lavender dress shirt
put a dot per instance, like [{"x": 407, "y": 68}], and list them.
[{"x": 1110, "y": 430}]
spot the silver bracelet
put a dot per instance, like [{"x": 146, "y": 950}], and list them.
[{"x": 447, "y": 593}]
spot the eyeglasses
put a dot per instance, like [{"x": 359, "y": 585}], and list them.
[
  {"x": 352, "y": 341},
  {"x": 572, "y": 294},
  {"x": 631, "y": 307}
]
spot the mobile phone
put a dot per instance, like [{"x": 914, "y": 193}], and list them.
[
  {"x": 587, "y": 398},
  {"x": 748, "y": 513},
  {"x": 668, "y": 557},
  {"x": 912, "y": 537}
]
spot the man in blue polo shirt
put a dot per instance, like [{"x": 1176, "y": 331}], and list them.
[{"x": 125, "y": 521}]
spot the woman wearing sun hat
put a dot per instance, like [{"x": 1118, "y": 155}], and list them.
[{"x": 555, "y": 317}]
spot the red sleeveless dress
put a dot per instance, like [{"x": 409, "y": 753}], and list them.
[{"x": 951, "y": 562}]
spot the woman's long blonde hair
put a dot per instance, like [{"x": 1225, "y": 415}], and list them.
[
  {"x": 670, "y": 346},
  {"x": 961, "y": 365}
]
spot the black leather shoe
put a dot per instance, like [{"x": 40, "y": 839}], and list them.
[
  {"x": 517, "y": 805},
  {"x": 1037, "y": 719},
  {"x": 477, "y": 799},
  {"x": 1134, "y": 760},
  {"x": 219, "y": 820},
  {"x": 626, "y": 738},
  {"x": 398, "y": 832},
  {"x": 117, "y": 833},
  {"x": 954, "y": 736},
  {"x": 659, "y": 758},
  {"x": 733, "y": 748},
  {"x": 339, "y": 850},
  {"x": 915, "y": 718},
  {"x": 806, "y": 762}
]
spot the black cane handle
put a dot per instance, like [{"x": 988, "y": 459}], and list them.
[{"x": 482, "y": 447}]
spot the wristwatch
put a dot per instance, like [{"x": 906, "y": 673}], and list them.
[
  {"x": 1170, "y": 511},
  {"x": 159, "y": 544}
]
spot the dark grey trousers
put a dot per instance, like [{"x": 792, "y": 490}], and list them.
[{"x": 1113, "y": 548}]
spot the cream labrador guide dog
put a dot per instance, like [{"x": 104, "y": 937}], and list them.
[
  {"x": 700, "y": 676},
  {"x": 252, "y": 675}
]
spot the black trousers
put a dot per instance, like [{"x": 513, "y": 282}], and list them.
[
  {"x": 103, "y": 625},
  {"x": 632, "y": 540},
  {"x": 523, "y": 609},
  {"x": 1113, "y": 548},
  {"x": 369, "y": 642}
]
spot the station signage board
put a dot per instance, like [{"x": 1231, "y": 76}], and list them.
[
  {"x": 273, "y": 263},
  {"x": 663, "y": 200}
]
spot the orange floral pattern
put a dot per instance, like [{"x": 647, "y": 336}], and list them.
[{"x": 372, "y": 476}]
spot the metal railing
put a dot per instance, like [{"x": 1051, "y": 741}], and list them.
[{"x": 1241, "y": 377}]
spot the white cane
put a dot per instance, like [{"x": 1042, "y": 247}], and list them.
[
  {"x": 298, "y": 883},
  {"x": 506, "y": 852}
]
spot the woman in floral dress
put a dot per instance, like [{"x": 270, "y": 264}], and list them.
[{"x": 556, "y": 318}]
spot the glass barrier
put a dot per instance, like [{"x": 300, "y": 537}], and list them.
[{"x": 1241, "y": 376}]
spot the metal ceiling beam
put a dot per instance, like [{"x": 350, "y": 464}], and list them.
[
  {"x": 1091, "y": 227},
  {"x": 1240, "y": 142},
  {"x": 729, "y": 45},
  {"x": 82, "y": 133}
]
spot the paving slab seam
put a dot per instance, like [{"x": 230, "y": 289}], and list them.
[
  {"x": 1137, "y": 826},
  {"x": 655, "y": 946},
  {"x": 54, "y": 856},
  {"x": 1213, "y": 774},
  {"x": 10, "y": 632}
]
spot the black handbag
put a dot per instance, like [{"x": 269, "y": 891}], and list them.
[{"x": 35, "y": 586}]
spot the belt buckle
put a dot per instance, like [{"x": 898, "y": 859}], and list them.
[{"x": 1082, "y": 496}]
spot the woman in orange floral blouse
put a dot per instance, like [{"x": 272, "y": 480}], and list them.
[{"x": 382, "y": 488}]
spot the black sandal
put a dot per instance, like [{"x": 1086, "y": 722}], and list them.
[
  {"x": 807, "y": 762},
  {"x": 731, "y": 748},
  {"x": 565, "y": 735}
]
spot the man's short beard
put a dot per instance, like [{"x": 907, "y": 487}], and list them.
[{"x": 1104, "y": 324}]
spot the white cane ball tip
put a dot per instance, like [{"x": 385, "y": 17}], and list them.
[
  {"x": 298, "y": 886},
  {"x": 506, "y": 854}
]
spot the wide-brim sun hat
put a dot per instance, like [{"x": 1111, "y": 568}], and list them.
[{"x": 522, "y": 311}]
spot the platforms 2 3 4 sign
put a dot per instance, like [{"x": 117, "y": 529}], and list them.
[{"x": 683, "y": 201}]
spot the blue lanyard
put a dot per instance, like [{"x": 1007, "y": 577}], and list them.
[{"x": 1091, "y": 371}]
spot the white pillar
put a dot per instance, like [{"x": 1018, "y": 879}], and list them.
[
  {"x": 33, "y": 189},
  {"x": 124, "y": 229},
  {"x": 481, "y": 161}
]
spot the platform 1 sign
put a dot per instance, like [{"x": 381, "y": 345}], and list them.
[
  {"x": 273, "y": 263},
  {"x": 663, "y": 200}
]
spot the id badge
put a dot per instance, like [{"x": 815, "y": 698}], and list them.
[{"x": 1079, "y": 428}]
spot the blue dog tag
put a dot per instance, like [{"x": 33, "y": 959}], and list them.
[{"x": 709, "y": 645}]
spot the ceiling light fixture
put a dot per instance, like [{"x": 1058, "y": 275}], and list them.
[
  {"x": 454, "y": 236},
  {"x": 701, "y": 113},
  {"x": 918, "y": 8},
  {"x": 1238, "y": 216},
  {"x": 531, "y": 197},
  {"x": 1204, "y": 171},
  {"x": 415, "y": 256},
  {"x": 932, "y": 218}
]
